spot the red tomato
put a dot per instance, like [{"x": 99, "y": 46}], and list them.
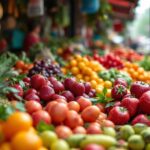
[
  {"x": 73, "y": 105},
  {"x": 81, "y": 122},
  {"x": 59, "y": 112},
  {"x": 101, "y": 107},
  {"x": 84, "y": 102},
  {"x": 49, "y": 106},
  {"x": 90, "y": 114},
  {"x": 39, "y": 116},
  {"x": 63, "y": 132},
  {"x": 107, "y": 123},
  {"x": 72, "y": 119},
  {"x": 79, "y": 130},
  {"x": 32, "y": 106},
  {"x": 94, "y": 129}
]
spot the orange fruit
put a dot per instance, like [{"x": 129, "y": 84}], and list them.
[
  {"x": 26, "y": 141},
  {"x": 15, "y": 123}
]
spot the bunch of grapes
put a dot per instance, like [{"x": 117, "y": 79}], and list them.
[{"x": 46, "y": 68}]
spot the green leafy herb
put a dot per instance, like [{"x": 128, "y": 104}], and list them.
[
  {"x": 102, "y": 98},
  {"x": 42, "y": 126},
  {"x": 5, "y": 111},
  {"x": 20, "y": 106}
]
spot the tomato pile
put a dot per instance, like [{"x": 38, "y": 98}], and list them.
[{"x": 91, "y": 103}]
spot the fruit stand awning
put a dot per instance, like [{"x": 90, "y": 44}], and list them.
[{"x": 123, "y": 8}]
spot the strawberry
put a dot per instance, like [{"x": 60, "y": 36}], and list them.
[
  {"x": 118, "y": 92},
  {"x": 141, "y": 119},
  {"x": 131, "y": 104},
  {"x": 145, "y": 103},
  {"x": 138, "y": 88},
  {"x": 120, "y": 81},
  {"x": 119, "y": 115}
]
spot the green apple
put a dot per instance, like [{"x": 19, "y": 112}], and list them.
[
  {"x": 109, "y": 131},
  {"x": 146, "y": 135},
  {"x": 136, "y": 142},
  {"x": 139, "y": 127},
  {"x": 48, "y": 138},
  {"x": 126, "y": 131},
  {"x": 60, "y": 145}
]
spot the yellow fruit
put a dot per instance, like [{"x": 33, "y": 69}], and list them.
[
  {"x": 107, "y": 84},
  {"x": 99, "y": 89},
  {"x": 87, "y": 78},
  {"x": 93, "y": 84},
  {"x": 108, "y": 93},
  {"x": 75, "y": 70},
  {"x": 81, "y": 65},
  {"x": 64, "y": 70},
  {"x": 86, "y": 61},
  {"x": 78, "y": 58},
  {"x": 73, "y": 63},
  {"x": 79, "y": 76}
]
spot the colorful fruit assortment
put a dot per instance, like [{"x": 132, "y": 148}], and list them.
[
  {"x": 109, "y": 61},
  {"x": 103, "y": 105},
  {"x": 86, "y": 70},
  {"x": 137, "y": 73},
  {"x": 23, "y": 67}
]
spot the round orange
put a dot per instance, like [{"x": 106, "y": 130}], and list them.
[
  {"x": 26, "y": 141},
  {"x": 17, "y": 122}
]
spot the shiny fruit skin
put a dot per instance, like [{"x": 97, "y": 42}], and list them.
[
  {"x": 58, "y": 86},
  {"x": 48, "y": 138},
  {"x": 63, "y": 132},
  {"x": 94, "y": 129},
  {"x": 56, "y": 96},
  {"x": 119, "y": 115},
  {"x": 72, "y": 119},
  {"x": 68, "y": 95},
  {"x": 32, "y": 106},
  {"x": 145, "y": 103},
  {"x": 32, "y": 96},
  {"x": 73, "y": 105},
  {"x": 39, "y": 116},
  {"x": 59, "y": 112},
  {"x": 26, "y": 141},
  {"x": 15, "y": 123},
  {"x": 49, "y": 106},
  {"x": 29, "y": 91},
  {"x": 37, "y": 81},
  {"x": 46, "y": 92},
  {"x": 79, "y": 130},
  {"x": 60, "y": 145},
  {"x": 68, "y": 83},
  {"x": 94, "y": 147},
  {"x": 78, "y": 89},
  {"x": 121, "y": 81},
  {"x": 84, "y": 102},
  {"x": 90, "y": 113},
  {"x": 131, "y": 104}
]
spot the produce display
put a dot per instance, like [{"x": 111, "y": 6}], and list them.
[{"x": 98, "y": 102}]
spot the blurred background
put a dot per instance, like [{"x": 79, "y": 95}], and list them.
[{"x": 115, "y": 22}]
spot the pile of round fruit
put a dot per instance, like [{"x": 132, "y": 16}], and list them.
[{"x": 95, "y": 109}]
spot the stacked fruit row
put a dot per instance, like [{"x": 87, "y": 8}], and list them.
[
  {"x": 87, "y": 70},
  {"x": 136, "y": 72}
]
